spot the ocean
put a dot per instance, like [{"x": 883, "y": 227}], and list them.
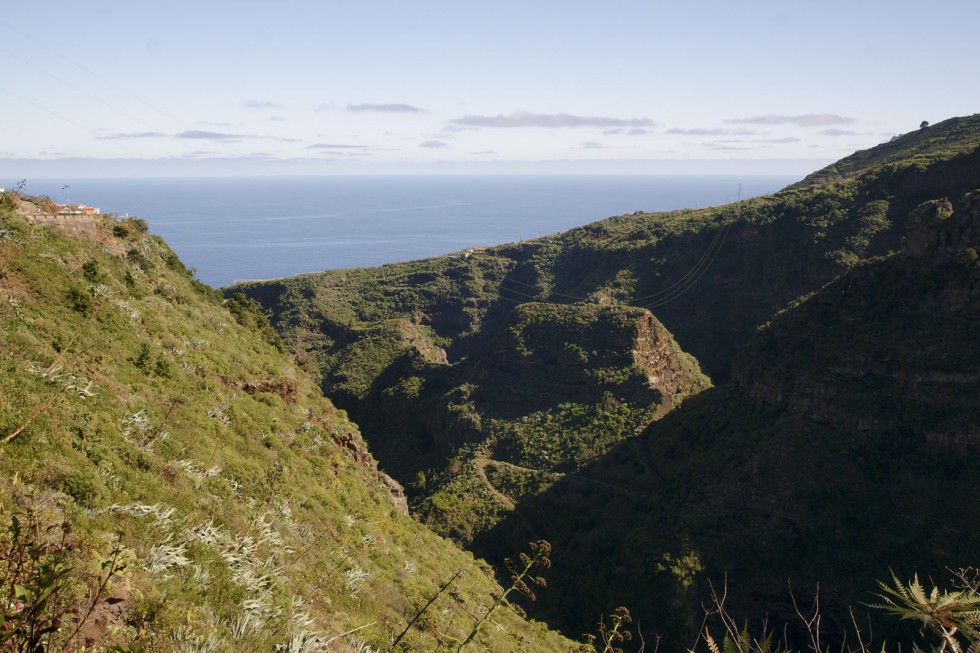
[{"x": 233, "y": 229}]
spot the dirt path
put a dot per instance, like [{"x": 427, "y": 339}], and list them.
[{"x": 481, "y": 469}]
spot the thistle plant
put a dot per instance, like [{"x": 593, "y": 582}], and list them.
[
  {"x": 161, "y": 514},
  {"x": 520, "y": 573},
  {"x": 612, "y": 634}
]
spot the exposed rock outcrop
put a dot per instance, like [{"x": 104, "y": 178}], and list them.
[{"x": 936, "y": 230}]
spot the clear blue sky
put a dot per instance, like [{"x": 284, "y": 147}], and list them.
[{"x": 300, "y": 86}]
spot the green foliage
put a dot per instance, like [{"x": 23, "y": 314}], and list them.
[
  {"x": 518, "y": 482},
  {"x": 8, "y": 201},
  {"x": 942, "y": 141},
  {"x": 35, "y": 588},
  {"x": 45, "y": 599},
  {"x": 142, "y": 359},
  {"x": 248, "y": 313},
  {"x": 569, "y": 436},
  {"x": 79, "y": 300},
  {"x": 951, "y": 615},
  {"x": 253, "y": 514},
  {"x": 91, "y": 272}
]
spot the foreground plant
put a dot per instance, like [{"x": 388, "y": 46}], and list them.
[
  {"x": 41, "y": 597},
  {"x": 613, "y": 634},
  {"x": 34, "y": 582},
  {"x": 519, "y": 575},
  {"x": 953, "y": 616}
]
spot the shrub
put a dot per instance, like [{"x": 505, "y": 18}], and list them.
[{"x": 79, "y": 300}]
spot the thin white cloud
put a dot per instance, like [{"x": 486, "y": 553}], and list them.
[
  {"x": 593, "y": 145},
  {"x": 393, "y": 107},
  {"x": 336, "y": 146},
  {"x": 129, "y": 136},
  {"x": 324, "y": 107},
  {"x": 433, "y": 144},
  {"x": 528, "y": 119},
  {"x": 711, "y": 132},
  {"x": 788, "y": 139},
  {"x": 260, "y": 104},
  {"x": 807, "y": 120},
  {"x": 199, "y": 134},
  {"x": 723, "y": 146},
  {"x": 633, "y": 131},
  {"x": 838, "y": 132}
]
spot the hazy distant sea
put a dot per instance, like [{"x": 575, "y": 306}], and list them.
[{"x": 233, "y": 229}]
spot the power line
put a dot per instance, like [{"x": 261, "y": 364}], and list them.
[
  {"x": 95, "y": 98},
  {"x": 682, "y": 290},
  {"x": 723, "y": 231},
  {"x": 64, "y": 118},
  {"x": 93, "y": 73}
]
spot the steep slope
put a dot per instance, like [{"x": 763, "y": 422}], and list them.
[
  {"x": 185, "y": 486},
  {"x": 849, "y": 450},
  {"x": 918, "y": 369},
  {"x": 560, "y": 386},
  {"x": 828, "y": 463},
  {"x": 542, "y": 388},
  {"x": 711, "y": 277},
  {"x": 930, "y": 143}
]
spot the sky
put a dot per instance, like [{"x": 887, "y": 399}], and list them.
[{"x": 106, "y": 88}]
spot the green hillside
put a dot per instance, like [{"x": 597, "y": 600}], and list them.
[
  {"x": 171, "y": 481},
  {"x": 819, "y": 464},
  {"x": 929, "y": 144},
  {"x": 848, "y": 449},
  {"x": 173, "y": 478}
]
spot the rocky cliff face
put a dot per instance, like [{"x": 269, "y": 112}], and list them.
[
  {"x": 560, "y": 353},
  {"x": 670, "y": 371},
  {"x": 938, "y": 231}
]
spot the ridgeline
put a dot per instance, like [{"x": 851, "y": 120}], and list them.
[
  {"x": 768, "y": 397},
  {"x": 505, "y": 388}
]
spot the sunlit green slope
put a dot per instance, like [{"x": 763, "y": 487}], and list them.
[{"x": 161, "y": 429}]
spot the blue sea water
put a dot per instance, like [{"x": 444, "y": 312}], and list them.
[{"x": 233, "y": 229}]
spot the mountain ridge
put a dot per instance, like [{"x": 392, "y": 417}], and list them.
[{"x": 723, "y": 282}]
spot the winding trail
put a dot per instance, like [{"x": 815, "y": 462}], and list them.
[
  {"x": 481, "y": 469},
  {"x": 481, "y": 463}
]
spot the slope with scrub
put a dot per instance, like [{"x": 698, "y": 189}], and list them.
[
  {"x": 845, "y": 445},
  {"x": 180, "y": 485}
]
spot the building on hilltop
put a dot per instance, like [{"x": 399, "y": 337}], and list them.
[{"x": 76, "y": 209}]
